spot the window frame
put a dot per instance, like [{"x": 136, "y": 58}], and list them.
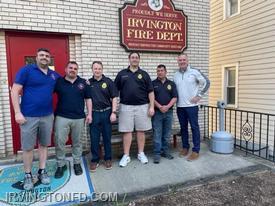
[
  {"x": 226, "y": 9},
  {"x": 225, "y": 69}
]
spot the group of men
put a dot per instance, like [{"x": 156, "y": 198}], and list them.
[{"x": 144, "y": 104}]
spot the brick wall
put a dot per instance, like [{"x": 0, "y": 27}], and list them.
[{"x": 94, "y": 35}]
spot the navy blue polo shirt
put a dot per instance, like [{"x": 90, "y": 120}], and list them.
[
  {"x": 102, "y": 92},
  {"x": 134, "y": 87},
  {"x": 71, "y": 98},
  {"x": 164, "y": 92},
  {"x": 38, "y": 87}
]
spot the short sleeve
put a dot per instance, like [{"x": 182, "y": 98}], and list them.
[
  {"x": 149, "y": 83},
  {"x": 174, "y": 90},
  {"x": 87, "y": 91},
  {"x": 22, "y": 76},
  {"x": 113, "y": 89},
  {"x": 117, "y": 82}
]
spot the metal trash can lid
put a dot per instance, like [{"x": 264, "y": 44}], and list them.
[{"x": 222, "y": 135}]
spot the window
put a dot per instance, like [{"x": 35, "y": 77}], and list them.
[
  {"x": 230, "y": 85},
  {"x": 32, "y": 60},
  {"x": 231, "y": 8}
]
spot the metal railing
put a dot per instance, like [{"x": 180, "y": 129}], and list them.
[{"x": 253, "y": 132}]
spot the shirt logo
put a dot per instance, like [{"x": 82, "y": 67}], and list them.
[
  {"x": 139, "y": 76},
  {"x": 53, "y": 77},
  {"x": 104, "y": 85},
  {"x": 169, "y": 87},
  {"x": 80, "y": 86}
]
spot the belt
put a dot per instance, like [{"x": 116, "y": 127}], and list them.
[{"x": 102, "y": 110}]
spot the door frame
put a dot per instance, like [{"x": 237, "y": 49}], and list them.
[{"x": 9, "y": 34}]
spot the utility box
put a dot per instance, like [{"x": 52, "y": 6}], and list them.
[{"x": 221, "y": 141}]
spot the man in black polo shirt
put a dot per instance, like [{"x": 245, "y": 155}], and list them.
[
  {"x": 71, "y": 91},
  {"x": 165, "y": 97},
  {"x": 136, "y": 106},
  {"x": 104, "y": 96}
]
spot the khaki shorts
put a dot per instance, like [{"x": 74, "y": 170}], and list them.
[{"x": 134, "y": 117}]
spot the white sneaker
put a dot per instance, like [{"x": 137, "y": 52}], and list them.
[
  {"x": 142, "y": 158},
  {"x": 124, "y": 160}
]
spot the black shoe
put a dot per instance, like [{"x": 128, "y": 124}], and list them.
[
  {"x": 60, "y": 171},
  {"x": 167, "y": 156},
  {"x": 78, "y": 169},
  {"x": 156, "y": 159}
]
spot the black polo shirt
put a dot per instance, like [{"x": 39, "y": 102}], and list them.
[
  {"x": 102, "y": 92},
  {"x": 134, "y": 87},
  {"x": 71, "y": 98},
  {"x": 164, "y": 92}
]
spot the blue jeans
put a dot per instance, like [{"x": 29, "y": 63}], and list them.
[
  {"x": 185, "y": 115},
  {"x": 101, "y": 124},
  {"x": 162, "y": 125}
]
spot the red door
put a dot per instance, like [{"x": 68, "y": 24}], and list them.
[{"x": 21, "y": 50}]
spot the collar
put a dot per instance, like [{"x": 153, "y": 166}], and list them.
[
  {"x": 128, "y": 69},
  {"x": 187, "y": 69},
  {"x": 35, "y": 66},
  {"x": 166, "y": 80},
  {"x": 93, "y": 79},
  {"x": 75, "y": 81}
]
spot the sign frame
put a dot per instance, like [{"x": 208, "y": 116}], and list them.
[{"x": 150, "y": 50}]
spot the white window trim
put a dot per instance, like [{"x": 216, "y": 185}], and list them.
[
  {"x": 225, "y": 10},
  {"x": 224, "y": 93}
]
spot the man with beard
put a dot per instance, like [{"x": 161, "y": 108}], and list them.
[
  {"x": 35, "y": 112},
  {"x": 70, "y": 117}
]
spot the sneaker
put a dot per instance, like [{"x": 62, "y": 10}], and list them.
[
  {"x": 93, "y": 166},
  {"x": 183, "y": 152},
  {"x": 78, "y": 169},
  {"x": 28, "y": 184},
  {"x": 44, "y": 177},
  {"x": 108, "y": 164},
  {"x": 142, "y": 158},
  {"x": 156, "y": 159},
  {"x": 193, "y": 156},
  {"x": 167, "y": 156},
  {"x": 60, "y": 171},
  {"x": 124, "y": 160}
]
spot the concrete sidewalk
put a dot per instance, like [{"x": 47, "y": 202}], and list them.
[{"x": 138, "y": 178}]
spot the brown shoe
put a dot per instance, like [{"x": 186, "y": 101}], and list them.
[
  {"x": 93, "y": 166},
  {"x": 108, "y": 164},
  {"x": 193, "y": 156},
  {"x": 183, "y": 152}
]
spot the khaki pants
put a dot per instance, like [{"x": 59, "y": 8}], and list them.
[{"x": 62, "y": 128}]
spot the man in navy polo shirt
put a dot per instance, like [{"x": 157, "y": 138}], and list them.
[
  {"x": 136, "y": 106},
  {"x": 104, "y": 95},
  {"x": 35, "y": 112},
  {"x": 165, "y": 98},
  {"x": 72, "y": 91}
]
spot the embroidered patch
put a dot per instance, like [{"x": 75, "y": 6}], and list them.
[
  {"x": 169, "y": 87},
  {"x": 139, "y": 76},
  {"x": 53, "y": 77},
  {"x": 104, "y": 85},
  {"x": 80, "y": 86}
]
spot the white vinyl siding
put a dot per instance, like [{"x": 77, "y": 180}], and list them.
[{"x": 249, "y": 40}]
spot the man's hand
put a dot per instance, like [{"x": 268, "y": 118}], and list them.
[
  {"x": 19, "y": 118},
  {"x": 195, "y": 99},
  {"x": 89, "y": 119},
  {"x": 164, "y": 108},
  {"x": 151, "y": 111},
  {"x": 113, "y": 117}
]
